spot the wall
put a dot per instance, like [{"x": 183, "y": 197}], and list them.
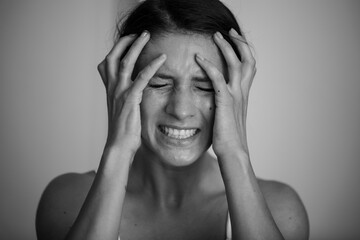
[
  {"x": 304, "y": 109},
  {"x": 303, "y": 114},
  {"x": 52, "y": 101}
]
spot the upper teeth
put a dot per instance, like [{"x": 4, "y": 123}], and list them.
[{"x": 179, "y": 134}]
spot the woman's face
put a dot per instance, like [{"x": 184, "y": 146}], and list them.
[{"x": 177, "y": 109}]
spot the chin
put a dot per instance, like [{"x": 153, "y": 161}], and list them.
[
  {"x": 179, "y": 159},
  {"x": 173, "y": 156}
]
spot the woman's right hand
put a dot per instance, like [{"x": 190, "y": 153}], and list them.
[{"x": 124, "y": 95}]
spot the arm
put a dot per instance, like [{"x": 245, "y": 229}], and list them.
[
  {"x": 249, "y": 212},
  {"x": 259, "y": 210},
  {"x": 100, "y": 214}
]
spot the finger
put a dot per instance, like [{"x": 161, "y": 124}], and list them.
[
  {"x": 232, "y": 60},
  {"x": 243, "y": 47},
  {"x": 248, "y": 60},
  {"x": 217, "y": 79},
  {"x": 144, "y": 77},
  {"x": 113, "y": 58},
  {"x": 128, "y": 62},
  {"x": 101, "y": 69}
]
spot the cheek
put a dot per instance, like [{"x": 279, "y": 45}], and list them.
[
  {"x": 146, "y": 109},
  {"x": 210, "y": 107},
  {"x": 150, "y": 106},
  {"x": 207, "y": 106}
]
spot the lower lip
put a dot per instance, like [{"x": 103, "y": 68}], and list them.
[{"x": 177, "y": 141}]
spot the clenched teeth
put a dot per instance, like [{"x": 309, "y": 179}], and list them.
[{"x": 177, "y": 133}]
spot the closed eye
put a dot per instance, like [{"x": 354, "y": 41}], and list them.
[
  {"x": 206, "y": 89},
  {"x": 157, "y": 85}
]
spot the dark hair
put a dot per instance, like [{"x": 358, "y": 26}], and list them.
[{"x": 160, "y": 17}]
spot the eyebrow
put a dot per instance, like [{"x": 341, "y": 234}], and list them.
[{"x": 196, "y": 79}]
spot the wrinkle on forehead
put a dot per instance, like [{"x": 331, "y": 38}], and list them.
[{"x": 180, "y": 50}]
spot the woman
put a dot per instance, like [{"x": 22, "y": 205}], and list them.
[{"x": 177, "y": 81}]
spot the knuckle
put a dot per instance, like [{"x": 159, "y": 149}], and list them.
[
  {"x": 138, "y": 42},
  {"x": 252, "y": 62},
  {"x": 108, "y": 57},
  {"x": 216, "y": 74},
  {"x": 124, "y": 63},
  {"x": 212, "y": 71},
  {"x": 142, "y": 74},
  {"x": 152, "y": 65},
  {"x": 101, "y": 67},
  {"x": 101, "y": 70}
]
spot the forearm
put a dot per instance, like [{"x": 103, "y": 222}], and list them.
[
  {"x": 100, "y": 214},
  {"x": 249, "y": 213}
]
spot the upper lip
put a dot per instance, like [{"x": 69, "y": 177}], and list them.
[{"x": 177, "y": 127}]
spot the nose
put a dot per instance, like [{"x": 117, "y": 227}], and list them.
[{"x": 180, "y": 105}]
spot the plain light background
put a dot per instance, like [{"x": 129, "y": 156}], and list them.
[{"x": 303, "y": 121}]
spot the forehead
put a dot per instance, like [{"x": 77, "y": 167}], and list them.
[{"x": 180, "y": 50}]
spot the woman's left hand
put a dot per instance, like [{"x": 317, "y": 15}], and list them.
[
  {"x": 247, "y": 205},
  {"x": 231, "y": 99}
]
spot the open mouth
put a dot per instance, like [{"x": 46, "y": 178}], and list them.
[{"x": 175, "y": 133}]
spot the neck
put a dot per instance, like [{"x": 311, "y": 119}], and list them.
[{"x": 168, "y": 186}]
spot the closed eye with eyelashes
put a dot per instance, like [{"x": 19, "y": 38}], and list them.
[{"x": 203, "y": 84}]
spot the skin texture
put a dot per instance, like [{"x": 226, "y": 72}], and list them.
[
  {"x": 177, "y": 97},
  {"x": 151, "y": 186}
]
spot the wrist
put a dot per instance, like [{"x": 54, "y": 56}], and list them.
[
  {"x": 237, "y": 157},
  {"x": 116, "y": 160},
  {"x": 125, "y": 147}
]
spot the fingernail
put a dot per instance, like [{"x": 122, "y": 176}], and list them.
[
  {"x": 199, "y": 57},
  {"x": 233, "y": 32},
  {"x": 219, "y": 35},
  {"x": 144, "y": 33}
]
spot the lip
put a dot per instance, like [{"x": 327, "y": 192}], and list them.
[
  {"x": 177, "y": 141},
  {"x": 178, "y": 127}
]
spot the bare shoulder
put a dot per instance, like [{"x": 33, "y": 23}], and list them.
[
  {"x": 287, "y": 209},
  {"x": 60, "y": 204}
]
